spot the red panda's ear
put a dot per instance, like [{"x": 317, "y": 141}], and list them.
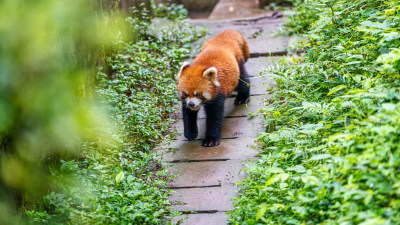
[
  {"x": 211, "y": 75},
  {"x": 184, "y": 65}
]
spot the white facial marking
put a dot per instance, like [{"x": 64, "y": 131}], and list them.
[
  {"x": 196, "y": 101},
  {"x": 207, "y": 95},
  {"x": 195, "y": 92},
  {"x": 186, "y": 92}
]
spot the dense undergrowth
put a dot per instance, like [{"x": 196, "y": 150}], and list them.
[
  {"x": 300, "y": 17},
  {"x": 116, "y": 179},
  {"x": 331, "y": 150}
]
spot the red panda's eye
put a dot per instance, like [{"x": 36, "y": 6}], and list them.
[{"x": 198, "y": 95}]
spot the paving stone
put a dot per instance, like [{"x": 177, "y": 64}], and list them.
[
  {"x": 266, "y": 44},
  {"x": 256, "y": 102},
  {"x": 259, "y": 31},
  {"x": 232, "y": 110},
  {"x": 262, "y": 18},
  {"x": 254, "y": 66},
  {"x": 207, "y": 173},
  {"x": 248, "y": 32},
  {"x": 261, "y": 85},
  {"x": 231, "y": 128},
  {"x": 226, "y": 9},
  {"x": 192, "y": 150},
  {"x": 219, "y": 218},
  {"x": 217, "y": 168},
  {"x": 200, "y": 199}
]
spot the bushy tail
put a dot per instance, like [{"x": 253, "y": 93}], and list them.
[{"x": 245, "y": 49}]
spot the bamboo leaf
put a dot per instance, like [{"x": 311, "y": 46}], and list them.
[
  {"x": 120, "y": 176},
  {"x": 336, "y": 89},
  {"x": 261, "y": 211},
  {"x": 320, "y": 157}
]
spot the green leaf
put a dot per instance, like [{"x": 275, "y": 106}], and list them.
[
  {"x": 272, "y": 180},
  {"x": 391, "y": 94},
  {"x": 389, "y": 106},
  {"x": 261, "y": 211},
  {"x": 310, "y": 180},
  {"x": 336, "y": 89},
  {"x": 275, "y": 178},
  {"x": 372, "y": 24},
  {"x": 368, "y": 198},
  {"x": 120, "y": 176},
  {"x": 297, "y": 168},
  {"x": 373, "y": 221},
  {"x": 352, "y": 63},
  {"x": 320, "y": 157},
  {"x": 275, "y": 170},
  {"x": 284, "y": 176}
]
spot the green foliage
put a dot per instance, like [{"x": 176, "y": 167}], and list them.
[
  {"x": 141, "y": 89},
  {"x": 48, "y": 53},
  {"x": 332, "y": 154},
  {"x": 300, "y": 18},
  {"x": 87, "y": 153},
  {"x": 120, "y": 186},
  {"x": 122, "y": 181}
]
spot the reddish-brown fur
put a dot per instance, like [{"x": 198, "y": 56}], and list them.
[{"x": 224, "y": 52}]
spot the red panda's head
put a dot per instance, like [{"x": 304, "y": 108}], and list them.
[{"x": 197, "y": 84}]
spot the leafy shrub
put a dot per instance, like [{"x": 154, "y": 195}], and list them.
[
  {"x": 48, "y": 51},
  {"x": 331, "y": 154},
  {"x": 117, "y": 179},
  {"x": 302, "y": 15},
  {"x": 141, "y": 89}
]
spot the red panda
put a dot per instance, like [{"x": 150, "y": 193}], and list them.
[{"x": 214, "y": 74}]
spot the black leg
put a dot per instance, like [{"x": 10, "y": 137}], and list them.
[
  {"x": 189, "y": 122},
  {"x": 243, "y": 87},
  {"x": 215, "y": 116}
]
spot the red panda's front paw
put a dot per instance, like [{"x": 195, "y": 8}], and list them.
[
  {"x": 191, "y": 135},
  {"x": 240, "y": 100},
  {"x": 211, "y": 142}
]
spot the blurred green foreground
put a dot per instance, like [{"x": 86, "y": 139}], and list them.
[
  {"x": 48, "y": 51},
  {"x": 63, "y": 158}
]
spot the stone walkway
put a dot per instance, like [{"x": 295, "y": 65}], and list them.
[
  {"x": 234, "y": 8},
  {"x": 205, "y": 177}
]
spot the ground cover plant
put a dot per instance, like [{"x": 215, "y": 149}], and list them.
[
  {"x": 301, "y": 15},
  {"x": 124, "y": 183},
  {"x": 93, "y": 148},
  {"x": 331, "y": 150},
  {"x": 47, "y": 54}
]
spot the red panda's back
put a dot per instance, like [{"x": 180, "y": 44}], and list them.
[
  {"x": 225, "y": 52},
  {"x": 232, "y": 41}
]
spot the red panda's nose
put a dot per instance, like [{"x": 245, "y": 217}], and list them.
[{"x": 191, "y": 104}]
